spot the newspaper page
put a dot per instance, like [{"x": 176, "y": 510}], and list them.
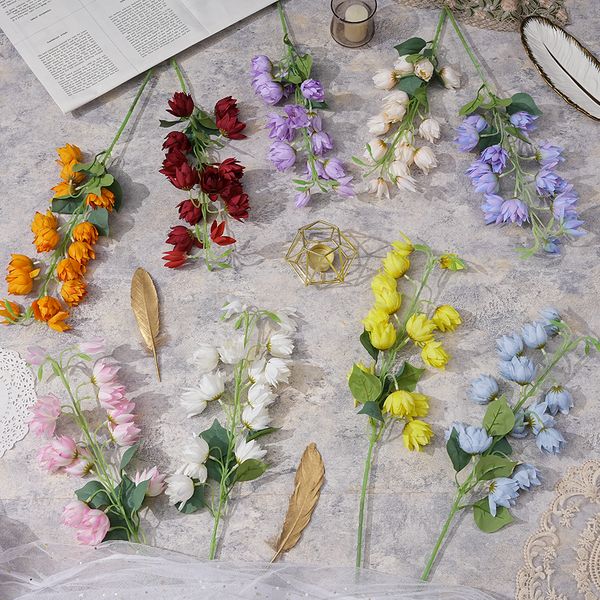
[{"x": 80, "y": 49}]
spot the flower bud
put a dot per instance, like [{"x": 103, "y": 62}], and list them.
[
  {"x": 425, "y": 159},
  {"x": 403, "y": 67},
  {"x": 385, "y": 79},
  {"x": 405, "y": 153},
  {"x": 379, "y": 124},
  {"x": 429, "y": 130},
  {"x": 450, "y": 77},
  {"x": 383, "y": 336},
  {"x": 424, "y": 69},
  {"x": 376, "y": 149}
]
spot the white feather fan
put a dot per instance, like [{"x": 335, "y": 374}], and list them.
[{"x": 566, "y": 65}]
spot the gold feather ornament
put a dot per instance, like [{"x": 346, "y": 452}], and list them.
[
  {"x": 144, "y": 302},
  {"x": 307, "y": 489}
]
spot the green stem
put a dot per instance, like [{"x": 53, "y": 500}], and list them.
[
  {"x": 223, "y": 495},
  {"x": 175, "y": 65},
  {"x": 467, "y": 48},
  {"x": 438, "y": 31},
  {"x": 443, "y": 533},
  {"x": 373, "y": 438},
  {"x": 109, "y": 150}
]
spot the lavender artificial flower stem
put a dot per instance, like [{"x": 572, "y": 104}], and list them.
[{"x": 467, "y": 48}]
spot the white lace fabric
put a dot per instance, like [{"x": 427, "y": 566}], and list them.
[
  {"x": 17, "y": 395},
  {"x": 562, "y": 559}
]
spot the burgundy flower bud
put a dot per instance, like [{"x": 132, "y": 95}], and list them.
[
  {"x": 189, "y": 212},
  {"x": 181, "y": 105},
  {"x": 232, "y": 189},
  {"x": 177, "y": 140},
  {"x": 185, "y": 177},
  {"x": 174, "y": 259},
  {"x": 225, "y": 106},
  {"x": 182, "y": 238},
  {"x": 216, "y": 234},
  {"x": 174, "y": 158},
  {"x": 211, "y": 181},
  {"x": 230, "y": 169},
  {"x": 238, "y": 207}
]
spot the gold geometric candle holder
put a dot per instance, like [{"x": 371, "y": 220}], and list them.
[{"x": 321, "y": 254}]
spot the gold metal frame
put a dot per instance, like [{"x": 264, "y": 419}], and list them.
[
  {"x": 541, "y": 71},
  {"x": 321, "y": 254}
]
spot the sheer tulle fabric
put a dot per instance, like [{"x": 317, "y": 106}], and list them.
[{"x": 126, "y": 571}]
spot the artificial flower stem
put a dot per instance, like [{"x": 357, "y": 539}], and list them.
[
  {"x": 108, "y": 151},
  {"x": 102, "y": 469},
  {"x": 175, "y": 65},
  {"x": 467, "y": 48},
  {"x": 438, "y": 31},
  {"x": 373, "y": 438},
  {"x": 443, "y": 533}
]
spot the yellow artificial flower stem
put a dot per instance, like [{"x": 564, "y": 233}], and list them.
[{"x": 374, "y": 436}]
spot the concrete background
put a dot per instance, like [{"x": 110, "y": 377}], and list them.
[{"x": 411, "y": 492}]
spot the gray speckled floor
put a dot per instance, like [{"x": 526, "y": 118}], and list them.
[{"x": 411, "y": 491}]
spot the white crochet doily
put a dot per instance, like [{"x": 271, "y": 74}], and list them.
[
  {"x": 17, "y": 394},
  {"x": 562, "y": 560}
]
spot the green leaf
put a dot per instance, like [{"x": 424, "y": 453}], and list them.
[
  {"x": 484, "y": 519},
  {"x": 94, "y": 494},
  {"x": 359, "y": 162},
  {"x": 99, "y": 218},
  {"x": 470, "y": 107},
  {"x": 499, "y": 418},
  {"x": 116, "y": 534},
  {"x": 517, "y": 133},
  {"x": 130, "y": 494},
  {"x": 304, "y": 65},
  {"x": 364, "y": 386},
  {"x": 492, "y": 466},
  {"x": 408, "y": 377},
  {"x": 460, "y": 459},
  {"x": 410, "y": 84},
  {"x": 218, "y": 442},
  {"x": 411, "y": 46},
  {"x": 65, "y": 205},
  {"x": 115, "y": 188},
  {"x": 254, "y": 435},
  {"x": 250, "y": 469},
  {"x": 504, "y": 102},
  {"x": 194, "y": 503},
  {"x": 488, "y": 137},
  {"x": 523, "y": 102},
  {"x": 320, "y": 105},
  {"x": 365, "y": 340},
  {"x": 165, "y": 123},
  {"x": 501, "y": 447},
  {"x": 371, "y": 409},
  {"x": 129, "y": 454}
]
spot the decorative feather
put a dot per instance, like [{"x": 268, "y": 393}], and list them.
[
  {"x": 144, "y": 302},
  {"x": 567, "y": 66},
  {"x": 307, "y": 489}
]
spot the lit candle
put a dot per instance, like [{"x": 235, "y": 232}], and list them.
[{"x": 354, "y": 30}]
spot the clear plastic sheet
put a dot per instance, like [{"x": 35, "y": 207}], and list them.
[{"x": 123, "y": 571}]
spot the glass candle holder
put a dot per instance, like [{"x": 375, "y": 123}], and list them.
[{"x": 353, "y": 23}]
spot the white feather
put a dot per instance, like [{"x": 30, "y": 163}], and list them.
[{"x": 564, "y": 64}]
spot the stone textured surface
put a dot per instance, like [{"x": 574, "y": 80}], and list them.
[{"x": 411, "y": 492}]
